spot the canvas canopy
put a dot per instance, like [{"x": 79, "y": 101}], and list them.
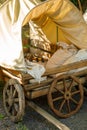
[
  {"x": 12, "y": 14},
  {"x": 62, "y": 14},
  {"x": 48, "y": 16}
]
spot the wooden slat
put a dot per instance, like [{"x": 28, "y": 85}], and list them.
[
  {"x": 37, "y": 85},
  {"x": 44, "y": 91}
]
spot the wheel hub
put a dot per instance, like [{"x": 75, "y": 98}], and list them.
[{"x": 67, "y": 95}]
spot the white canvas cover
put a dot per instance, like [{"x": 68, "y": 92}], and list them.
[{"x": 12, "y": 13}]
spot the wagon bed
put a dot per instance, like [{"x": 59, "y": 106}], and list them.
[{"x": 65, "y": 92}]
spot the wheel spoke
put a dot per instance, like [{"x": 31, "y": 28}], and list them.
[
  {"x": 16, "y": 106},
  {"x": 14, "y": 112},
  {"x": 9, "y": 108},
  {"x": 11, "y": 90},
  {"x": 14, "y": 93},
  {"x": 7, "y": 100},
  {"x": 68, "y": 106},
  {"x": 68, "y": 96},
  {"x": 59, "y": 90},
  {"x": 16, "y": 100},
  {"x": 74, "y": 101},
  {"x": 71, "y": 85},
  {"x": 76, "y": 92},
  {"x": 64, "y": 84},
  {"x": 61, "y": 105},
  {"x": 58, "y": 98},
  {"x": 8, "y": 92}
]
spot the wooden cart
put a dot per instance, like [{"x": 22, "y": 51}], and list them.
[{"x": 65, "y": 93}]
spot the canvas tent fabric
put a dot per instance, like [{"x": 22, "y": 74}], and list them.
[
  {"x": 12, "y": 14},
  {"x": 63, "y": 14}
]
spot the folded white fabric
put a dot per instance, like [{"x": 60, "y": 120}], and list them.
[
  {"x": 35, "y": 70},
  {"x": 64, "y": 52}
]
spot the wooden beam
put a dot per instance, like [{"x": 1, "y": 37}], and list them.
[
  {"x": 65, "y": 68},
  {"x": 9, "y": 75},
  {"x": 49, "y": 117}
]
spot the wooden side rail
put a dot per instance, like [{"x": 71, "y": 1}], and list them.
[
  {"x": 68, "y": 67},
  {"x": 62, "y": 68},
  {"x": 8, "y": 73}
]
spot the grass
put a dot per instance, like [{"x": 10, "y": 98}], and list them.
[
  {"x": 1, "y": 116},
  {"x": 21, "y": 126}
]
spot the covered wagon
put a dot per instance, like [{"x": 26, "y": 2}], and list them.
[{"x": 56, "y": 62}]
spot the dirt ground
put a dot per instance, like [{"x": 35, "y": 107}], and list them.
[{"x": 34, "y": 121}]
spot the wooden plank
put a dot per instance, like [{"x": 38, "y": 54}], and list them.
[
  {"x": 28, "y": 87},
  {"x": 44, "y": 90},
  {"x": 48, "y": 116},
  {"x": 37, "y": 85},
  {"x": 62, "y": 68},
  {"x": 65, "y": 68}
]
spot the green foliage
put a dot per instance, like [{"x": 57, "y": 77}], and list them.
[
  {"x": 21, "y": 126},
  {"x": 1, "y": 116}
]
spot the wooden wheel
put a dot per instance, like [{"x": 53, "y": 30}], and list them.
[
  {"x": 65, "y": 95},
  {"x": 14, "y": 100}
]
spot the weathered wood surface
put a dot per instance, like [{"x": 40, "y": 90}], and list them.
[
  {"x": 62, "y": 68},
  {"x": 49, "y": 81},
  {"x": 68, "y": 67},
  {"x": 43, "y": 90}
]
